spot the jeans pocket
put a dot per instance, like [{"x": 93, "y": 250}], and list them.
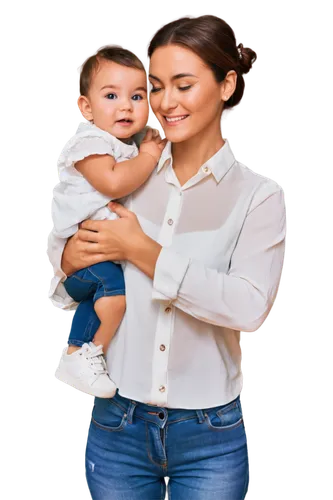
[
  {"x": 224, "y": 418},
  {"x": 108, "y": 415}
]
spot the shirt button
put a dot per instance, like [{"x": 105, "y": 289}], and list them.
[
  {"x": 170, "y": 222},
  {"x": 167, "y": 309},
  {"x": 162, "y": 388},
  {"x": 206, "y": 169},
  {"x": 162, "y": 347}
]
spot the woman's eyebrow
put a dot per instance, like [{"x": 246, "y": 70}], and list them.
[{"x": 175, "y": 77}]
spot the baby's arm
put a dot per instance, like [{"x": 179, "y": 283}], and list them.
[{"x": 120, "y": 179}]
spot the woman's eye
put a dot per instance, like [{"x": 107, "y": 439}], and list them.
[
  {"x": 137, "y": 97},
  {"x": 111, "y": 96},
  {"x": 157, "y": 89}
]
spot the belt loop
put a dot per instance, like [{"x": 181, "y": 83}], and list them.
[
  {"x": 130, "y": 411},
  {"x": 200, "y": 415}
]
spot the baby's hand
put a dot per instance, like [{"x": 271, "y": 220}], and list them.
[{"x": 153, "y": 144}]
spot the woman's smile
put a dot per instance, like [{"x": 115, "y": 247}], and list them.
[{"x": 174, "y": 120}]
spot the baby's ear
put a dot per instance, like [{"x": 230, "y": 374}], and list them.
[{"x": 85, "y": 108}]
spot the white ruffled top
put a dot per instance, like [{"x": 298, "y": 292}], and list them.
[{"x": 74, "y": 199}]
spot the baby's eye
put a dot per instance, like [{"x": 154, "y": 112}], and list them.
[
  {"x": 137, "y": 97},
  {"x": 111, "y": 96}
]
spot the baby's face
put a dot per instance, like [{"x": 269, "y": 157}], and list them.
[{"x": 118, "y": 99}]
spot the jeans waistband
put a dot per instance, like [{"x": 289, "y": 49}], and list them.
[{"x": 159, "y": 415}]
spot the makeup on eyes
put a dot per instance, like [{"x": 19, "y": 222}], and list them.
[{"x": 182, "y": 86}]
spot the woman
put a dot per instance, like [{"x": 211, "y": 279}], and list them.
[{"x": 203, "y": 241}]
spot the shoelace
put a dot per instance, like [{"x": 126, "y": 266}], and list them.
[{"x": 95, "y": 354}]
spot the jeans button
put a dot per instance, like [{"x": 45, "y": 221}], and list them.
[{"x": 161, "y": 415}]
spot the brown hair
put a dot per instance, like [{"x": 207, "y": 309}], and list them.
[
  {"x": 214, "y": 41},
  {"x": 113, "y": 53}
]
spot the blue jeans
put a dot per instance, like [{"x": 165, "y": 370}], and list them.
[
  {"x": 86, "y": 286},
  {"x": 133, "y": 446}
]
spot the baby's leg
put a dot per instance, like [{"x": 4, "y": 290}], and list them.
[
  {"x": 84, "y": 325},
  {"x": 110, "y": 311},
  {"x": 100, "y": 289},
  {"x": 109, "y": 301}
]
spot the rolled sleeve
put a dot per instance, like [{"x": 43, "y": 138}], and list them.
[
  {"x": 57, "y": 292},
  {"x": 170, "y": 270},
  {"x": 59, "y": 297},
  {"x": 241, "y": 298}
]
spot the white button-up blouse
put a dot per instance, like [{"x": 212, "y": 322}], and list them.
[{"x": 223, "y": 239}]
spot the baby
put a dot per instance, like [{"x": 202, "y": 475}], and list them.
[{"x": 99, "y": 164}]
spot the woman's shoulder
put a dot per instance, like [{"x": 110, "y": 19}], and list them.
[
  {"x": 259, "y": 186},
  {"x": 258, "y": 180},
  {"x": 240, "y": 176}
]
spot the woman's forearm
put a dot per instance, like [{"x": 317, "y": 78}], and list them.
[
  {"x": 113, "y": 240},
  {"x": 144, "y": 255}
]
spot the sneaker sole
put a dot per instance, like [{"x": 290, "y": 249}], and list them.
[{"x": 97, "y": 394}]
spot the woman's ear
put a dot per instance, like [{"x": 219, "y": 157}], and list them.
[
  {"x": 85, "y": 108},
  {"x": 228, "y": 85}
]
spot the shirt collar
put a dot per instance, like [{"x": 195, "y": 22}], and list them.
[
  {"x": 165, "y": 156},
  {"x": 218, "y": 164}
]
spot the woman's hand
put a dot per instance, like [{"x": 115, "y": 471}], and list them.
[
  {"x": 75, "y": 255},
  {"x": 114, "y": 240},
  {"x": 101, "y": 240}
]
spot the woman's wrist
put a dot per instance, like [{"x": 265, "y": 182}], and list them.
[
  {"x": 66, "y": 266},
  {"x": 143, "y": 253}
]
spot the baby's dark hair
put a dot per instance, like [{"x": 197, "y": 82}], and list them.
[
  {"x": 113, "y": 53},
  {"x": 214, "y": 41}
]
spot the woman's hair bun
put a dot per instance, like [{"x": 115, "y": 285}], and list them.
[{"x": 246, "y": 58}]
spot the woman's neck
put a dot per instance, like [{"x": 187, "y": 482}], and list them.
[{"x": 190, "y": 155}]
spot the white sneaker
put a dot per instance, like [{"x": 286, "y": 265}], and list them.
[{"x": 85, "y": 369}]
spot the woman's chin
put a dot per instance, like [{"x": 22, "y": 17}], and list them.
[{"x": 177, "y": 135}]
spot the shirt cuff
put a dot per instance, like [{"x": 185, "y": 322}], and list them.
[
  {"x": 58, "y": 295},
  {"x": 170, "y": 271}
]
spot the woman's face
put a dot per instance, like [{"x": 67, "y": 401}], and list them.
[{"x": 185, "y": 96}]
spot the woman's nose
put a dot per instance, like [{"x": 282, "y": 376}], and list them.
[{"x": 168, "y": 101}]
